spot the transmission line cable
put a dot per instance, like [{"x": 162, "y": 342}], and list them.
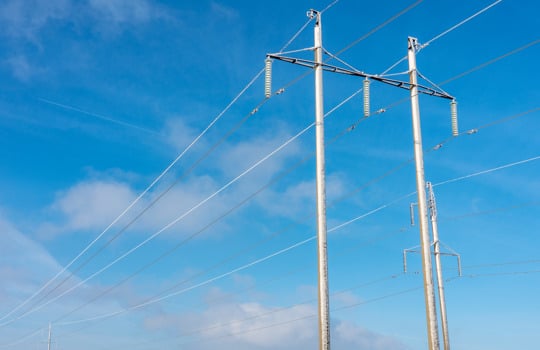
[
  {"x": 487, "y": 171},
  {"x": 440, "y": 35},
  {"x": 480, "y": 66},
  {"x": 379, "y": 27},
  {"x": 437, "y": 37}
]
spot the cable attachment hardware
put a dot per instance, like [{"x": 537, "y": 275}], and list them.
[{"x": 312, "y": 13}]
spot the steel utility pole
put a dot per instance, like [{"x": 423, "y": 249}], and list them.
[
  {"x": 429, "y": 294},
  {"x": 438, "y": 266},
  {"x": 49, "y": 338},
  {"x": 324, "y": 304}
]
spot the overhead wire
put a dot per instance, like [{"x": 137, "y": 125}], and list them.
[
  {"x": 487, "y": 171},
  {"x": 329, "y": 6},
  {"x": 437, "y": 37},
  {"x": 480, "y": 66},
  {"x": 379, "y": 27},
  {"x": 488, "y": 212}
]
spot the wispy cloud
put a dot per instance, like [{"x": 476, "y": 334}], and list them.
[
  {"x": 125, "y": 11},
  {"x": 24, "y": 19},
  {"x": 251, "y": 325},
  {"x": 21, "y": 68}
]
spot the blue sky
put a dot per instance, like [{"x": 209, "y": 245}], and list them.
[{"x": 99, "y": 97}]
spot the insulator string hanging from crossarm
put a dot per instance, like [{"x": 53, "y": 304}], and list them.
[
  {"x": 268, "y": 77},
  {"x": 366, "y": 97},
  {"x": 453, "y": 116}
]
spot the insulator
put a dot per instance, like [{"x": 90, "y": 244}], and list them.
[
  {"x": 366, "y": 97},
  {"x": 268, "y": 77},
  {"x": 453, "y": 114}
]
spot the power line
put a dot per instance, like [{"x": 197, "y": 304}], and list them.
[
  {"x": 437, "y": 37},
  {"x": 480, "y": 66},
  {"x": 487, "y": 171},
  {"x": 447, "y": 31},
  {"x": 379, "y": 27}
]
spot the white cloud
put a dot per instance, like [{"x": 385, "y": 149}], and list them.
[
  {"x": 125, "y": 11},
  {"x": 223, "y": 11},
  {"x": 93, "y": 204},
  {"x": 241, "y": 326},
  {"x": 298, "y": 199},
  {"x": 21, "y": 68},
  {"x": 179, "y": 134},
  {"x": 252, "y": 325},
  {"x": 26, "y": 18},
  {"x": 349, "y": 335},
  {"x": 239, "y": 156},
  {"x": 23, "y": 262}
]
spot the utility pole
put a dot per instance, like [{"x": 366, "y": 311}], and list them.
[
  {"x": 49, "y": 338},
  {"x": 324, "y": 304},
  {"x": 438, "y": 266},
  {"x": 318, "y": 66},
  {"x": 429, "y": 294}
]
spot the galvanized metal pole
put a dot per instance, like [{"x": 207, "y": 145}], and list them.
[
  {"x": 438, "y": 265},
  {"x": 49, "y": 339},
  {"x": 324, "y": 305},
  {"x": 429, "y": 294}
]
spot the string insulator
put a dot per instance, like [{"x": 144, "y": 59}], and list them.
[
  {"x": 453, "y": 115},
  {"x": 366, "y": 97},
  {"x": 268, "y": 77}
]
